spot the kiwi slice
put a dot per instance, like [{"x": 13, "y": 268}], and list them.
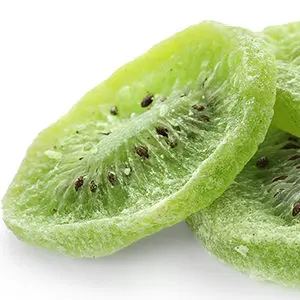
[
  {"x": 284, "y": 41},
  {"x": 134, "y": 154},
  {"x": 255, "y": 224}
]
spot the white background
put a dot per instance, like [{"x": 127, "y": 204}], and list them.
[{"x": 51, "y": 53}]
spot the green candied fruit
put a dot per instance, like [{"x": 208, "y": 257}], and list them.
[
  {"x": 255, "y": 225},
  {"x": 134, "y": 154}
]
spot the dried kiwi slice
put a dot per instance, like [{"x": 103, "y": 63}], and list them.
[
  {"x": 284, "y": 41},
  {"x": 134, "y": 154},
  {"x": 255, "y": 224}
]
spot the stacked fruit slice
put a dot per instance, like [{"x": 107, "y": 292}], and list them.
[
  {"x": 255, "y": 225},
  {"x": 163, "y": 138}
]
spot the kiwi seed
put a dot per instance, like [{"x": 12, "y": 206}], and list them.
[
  {"x": 79, "y": 183},
  {"x": 204, "y": 118},
  {"x": 296, "y": 209},
  {"x": 282, "y": 177},
  {"x": 262, "y": 162},
  {"x": 293, "y": 139},
  {"x": 172, "y": 143},
  {"x": 162, "y": 131},
  {"x": 198, "y": 107},
  {"x": 147, "y": 100},
  {"x": 297, "y": 156},
  {"x": 114, "y": 110},
  {"x": 142, "y": 151},
  {"x": 93, "y": 186},
  {"x": 289, "y": 146},
  {"x": 111, "y": 176}
]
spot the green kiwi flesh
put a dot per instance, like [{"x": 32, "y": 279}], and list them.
[
  {"x": 255, "y": 225},
  {"x": 284, "y": 41},
  {"x": 133, "y": 156}
]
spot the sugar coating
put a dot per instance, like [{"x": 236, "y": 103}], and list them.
[
  {"x": 53, "y": 154},
  {"x": 243, "y": 250},
  {"x": 127, "y": 171}
]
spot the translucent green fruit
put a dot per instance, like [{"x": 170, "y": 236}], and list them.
[
  {"x": 112, "y": 170},
  {"x": 255, "y": 224},
  {"x": 284, "y": 41}
]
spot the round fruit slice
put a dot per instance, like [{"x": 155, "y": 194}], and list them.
[
  {"x": 284, "y": 41},
  {"x": 134, "y": 154},
  {"x": 255, "y": 224}
]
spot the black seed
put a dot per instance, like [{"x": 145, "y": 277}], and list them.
[
  {"x": 203, "y": 118},
  {"x": 293, "y": 139},
  {"x": 297, "y": 156},
  {"x": 298, "y": 167},
  {"x": 142, "y": 151},
  {"x": 262, "y": 162},
  {"x": 114, "y": 110},
  {"x": 78, "y": 183},
  {"x": 80, "y": 158},
  {"x": 198, "y": 107},
  {"x": 77, "y": 131},
  {"x": 290, "y": 146},
  {"x": 172, "y": 143},
  {"x": 296, "y": 209},
  {"x": 162, "y": 131},
  {"x": 147, "y": 100},
  {"x": 105, "y": 133},
  {"x": 54, "y": 210},
  {"x": 111, "y": 176},
  {"x": 93, "y": 186},
  {"x": 282, "y": 177}
]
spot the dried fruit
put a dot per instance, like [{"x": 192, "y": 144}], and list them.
[
  {"x": 255, "y": 224},
  {"x": 146, "y": 179}
]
